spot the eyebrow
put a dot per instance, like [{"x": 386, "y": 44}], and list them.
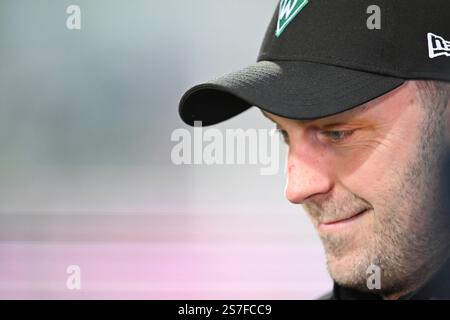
[{"x": 268, "y": 117}]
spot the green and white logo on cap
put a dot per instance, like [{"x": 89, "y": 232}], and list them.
[{"x": 287, "y": 12}]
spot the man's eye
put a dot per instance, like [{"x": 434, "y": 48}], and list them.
[
  {"x": 284, "y": 134},
  {"x": 337, "y": 136}
]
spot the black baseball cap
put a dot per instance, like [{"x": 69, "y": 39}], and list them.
[{"x": 323, "y": 57}]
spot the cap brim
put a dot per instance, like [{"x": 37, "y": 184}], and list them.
[{"x": 291, "y": 89}]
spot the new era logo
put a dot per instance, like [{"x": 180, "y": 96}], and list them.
[
  {"x": 437, "y": 46},
  {"x": 287, "y": 12}
]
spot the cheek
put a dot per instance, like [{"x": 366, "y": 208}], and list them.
[
  {"x": 376, "y": 165},
  {"x": 377, "y": 175}
]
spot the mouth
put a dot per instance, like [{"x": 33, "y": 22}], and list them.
[{"x": 338, "y": 224}]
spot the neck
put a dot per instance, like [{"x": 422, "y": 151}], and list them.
[{"x": 433, "y": 282}]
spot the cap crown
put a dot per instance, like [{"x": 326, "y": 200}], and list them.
[{"x": 413, "y": 40}]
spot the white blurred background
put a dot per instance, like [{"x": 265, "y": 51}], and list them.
[{"x": 85, "y": 171}]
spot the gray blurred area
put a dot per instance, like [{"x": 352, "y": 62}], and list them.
[
  {"x": 100, "y": 103},
  {"x": 86, "y": 119}
]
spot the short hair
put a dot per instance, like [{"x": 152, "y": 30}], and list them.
[{"x": 434, "y": 94}]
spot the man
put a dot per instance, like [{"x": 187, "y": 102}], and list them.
[{"x": 360, "y": 91}]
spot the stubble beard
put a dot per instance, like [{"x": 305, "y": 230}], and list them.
[{"x": 407, "y": 237}]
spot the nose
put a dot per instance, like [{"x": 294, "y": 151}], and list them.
[{"x": 308, "y": 173}]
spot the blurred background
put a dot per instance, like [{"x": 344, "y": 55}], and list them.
[{"x": 86, "y": 177}]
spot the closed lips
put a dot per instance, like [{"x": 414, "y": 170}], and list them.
[{"x": 352, "y": 216}]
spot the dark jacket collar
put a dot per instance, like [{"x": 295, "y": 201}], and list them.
[{"x": 438, "y": 288}]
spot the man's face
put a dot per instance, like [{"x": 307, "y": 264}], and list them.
[{"x": 365, "y": 178}]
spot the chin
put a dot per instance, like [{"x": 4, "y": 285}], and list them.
[{"x": 349, "y": 270}]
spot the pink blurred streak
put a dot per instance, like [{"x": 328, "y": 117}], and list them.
[{"x": 37, "y": 270}]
